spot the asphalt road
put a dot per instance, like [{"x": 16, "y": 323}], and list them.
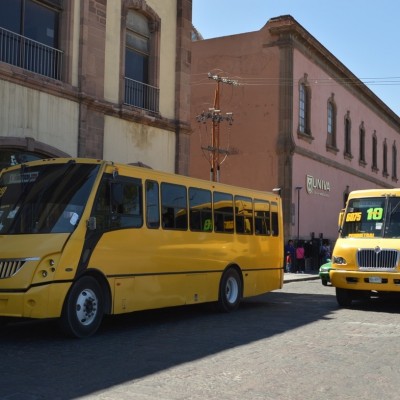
[{"x": 293, "y": 343}]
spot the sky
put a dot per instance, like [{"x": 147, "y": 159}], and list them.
[{"x": 364, "y": 35}]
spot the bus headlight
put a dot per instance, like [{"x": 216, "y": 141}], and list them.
[{"x": 339, "y": 260}]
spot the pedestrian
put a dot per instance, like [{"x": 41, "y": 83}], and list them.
[
  {"x": 300, "y": 260},
  {"x": 325, "y": 252},
  {"x": 290, "y": 250},
  {"x": 288, "y": 263}
]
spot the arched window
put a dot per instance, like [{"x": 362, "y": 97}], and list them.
[
  {"x": 137, "y": 47},
  {"x": 394, "y": 162},
  {"x": 331, "y": 123},
  {"x": 16, "y": 150},
  {"x": 361, "y": 159},
  {"x": 385, "y": 169},
  {"x": 374, "y": 152},
  {"x": 141, "y": 57},
  {"x": 347, "y": 135},
  {"x": 304, "y": 107}
]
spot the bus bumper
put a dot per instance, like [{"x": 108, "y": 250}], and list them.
[
  {"x": 375, "y": 280},
  {"x": 35, "y": 303}
]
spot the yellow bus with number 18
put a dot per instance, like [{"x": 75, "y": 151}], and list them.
[{"x": 366, "y": 256}]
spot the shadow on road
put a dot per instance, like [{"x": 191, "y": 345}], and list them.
[{"x": 37, "y": 362}]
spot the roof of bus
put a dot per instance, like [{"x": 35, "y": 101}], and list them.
[
  {"x": 374, "y": 192},
  {"x": 143, "y": 171}
]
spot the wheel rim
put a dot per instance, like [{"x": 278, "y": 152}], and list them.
[
  {"x": 231, "y": 290},
  {"x": 86, "y": 307}
]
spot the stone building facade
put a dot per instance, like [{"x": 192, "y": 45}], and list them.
[
  {"x": 301, "y": 122},
  {"x": 101, "y": 78}
]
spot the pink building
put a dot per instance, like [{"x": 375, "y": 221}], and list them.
[{"x": 301, "y": 122}]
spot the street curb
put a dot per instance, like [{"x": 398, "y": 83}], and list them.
[{"x": 300, "y": 278}]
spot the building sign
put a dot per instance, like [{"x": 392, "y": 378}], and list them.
[{"x": 317, "y": 186}]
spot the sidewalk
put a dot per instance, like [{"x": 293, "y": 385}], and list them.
[{"x": 308, "y": 276}]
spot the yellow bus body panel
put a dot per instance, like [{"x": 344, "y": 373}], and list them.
[
  {"x": 156, "y": 268},
  {"x": 31, "y": 292},
  {"x": 349, "y": 277},
  {"x": 355, "y": 280},
  {"x": 38, "y": 302},
  {"x": 143, "y": 268}
]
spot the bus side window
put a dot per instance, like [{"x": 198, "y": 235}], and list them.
[
  {"x": 200, "y": 217},
  {"x": 127, "y": 196},
  {"x": 174, "y": 206},
  {"x": 152, "y": 205},
  {"x": 244, "y": 215},
  {"x": 119, "y": 204},
  {"x": 168, "y": 218},
  {"x": 101, "y": 209},
  {"x": 274, "y": 219},
  {"x": 223, "y": 212},
  {"x": 262, "y": 218}
]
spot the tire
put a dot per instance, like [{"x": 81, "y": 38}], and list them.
[
  {"x": 230, "y": 291},
  {"x": 324, "y": 282},
  {"x": 83, "y": 309},
  {"x": 344, "y": 297}
]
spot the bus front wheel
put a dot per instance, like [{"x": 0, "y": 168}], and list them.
[
  {"x": 230, "y": 291},
  {"x": 344, "y": 297},
  {"x": 83, "y": 308}
]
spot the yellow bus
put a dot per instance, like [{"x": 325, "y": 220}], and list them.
[
  {"x": 365, "y": 258},
  {"x": 82, "y": 238}
]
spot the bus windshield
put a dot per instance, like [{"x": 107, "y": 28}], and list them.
[
  {"x": 372, "y": 217},
  {"x": 44, "y": 198}
]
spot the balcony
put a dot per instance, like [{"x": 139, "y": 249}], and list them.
[
  {"x": 30, "y": 55},
  {"x": 141, "y": 95}
]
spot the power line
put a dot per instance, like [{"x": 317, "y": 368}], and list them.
[{"x": 265, "y": 81}]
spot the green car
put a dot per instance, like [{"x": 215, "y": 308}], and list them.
[{"x": 324, "y": 272}]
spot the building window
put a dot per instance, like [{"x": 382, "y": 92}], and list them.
[
  {"x": 394, "y": 162},
  {"x": 304, "y": 107},
  {"x": 374, "y": 152},
  {"x": 362, "y": 145},
  {"x": 347, "y": 136},
  {"x": 385, "y": 169},
  {"x": 331, "y": 123},
  {"x": 29, "y": 36},
  {"x": 140, "y": 90},
  {"x": 10, "y": 157},
  {"x": 346, "y": 195}
]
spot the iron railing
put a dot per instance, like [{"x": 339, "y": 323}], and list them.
[
  {"x": 141, "y": 95},
  {"x": 31, "y": 55}
]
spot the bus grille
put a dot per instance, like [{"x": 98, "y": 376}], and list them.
[
  {"x": 9, "y": 268},
  {"x": 377, "y": 259}
]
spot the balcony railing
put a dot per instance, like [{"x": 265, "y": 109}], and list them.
[
  {"x": 141, "y": 95},
  {"x": 31, "y": 55}
]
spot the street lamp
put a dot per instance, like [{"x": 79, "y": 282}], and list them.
[{"x": 298, "y": 188}]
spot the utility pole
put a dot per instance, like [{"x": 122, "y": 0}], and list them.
[{"x": 216, "y": 117}]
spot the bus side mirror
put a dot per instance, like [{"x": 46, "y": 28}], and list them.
[
  {"x": 340, "y": 220},
  {"x": 91, "y": 224}
]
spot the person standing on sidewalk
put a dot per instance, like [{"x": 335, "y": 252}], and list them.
[
  {"x": 300, "y": 260},
  {"x": 291, "y": 252}
]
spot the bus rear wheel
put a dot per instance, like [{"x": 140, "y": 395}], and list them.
[
  {"x": 344, "y": 297},
  {"x": 83, "y": 308},
  {"x": 230, "y": 291}
]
